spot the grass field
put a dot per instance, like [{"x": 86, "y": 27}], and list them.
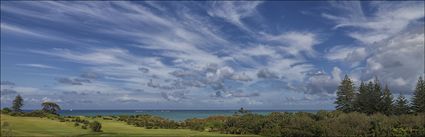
[{"x": 33, "y": 126}]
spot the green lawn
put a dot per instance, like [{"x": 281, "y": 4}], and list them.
[{"x": 32, "y": 126}]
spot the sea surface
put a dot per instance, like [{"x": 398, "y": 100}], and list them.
[{"x": 177, "y": 115}]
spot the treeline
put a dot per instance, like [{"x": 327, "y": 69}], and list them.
[{"x": 372, "y": 98}]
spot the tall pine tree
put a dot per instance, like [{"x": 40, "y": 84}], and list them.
[
  {"x": 418, "y": 102},
  {"x": 345, "y": 95},
  {"x": 361, "y": 103},
  {"x": 401, "y": 106},
  {"x": 386, "y": 104},
  {"x": 370, "y": 96},
  {"x": 17, "y": 104}
]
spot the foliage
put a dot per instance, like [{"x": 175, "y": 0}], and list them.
[
  {"x": 148, "y": 121},
  {"x": 38, "y": 113},
  {"x": 386, "y": 103},
  {"x": 6, "y": 110},
  {"x": 95, "y": 126},
  {"x": 345, "y": 95},
  {"x": 17, "y": 104},
  {"x": 401, "y": 106},
  {"x": 418, "y": 102},
  {"x": 50, "y": 107}
]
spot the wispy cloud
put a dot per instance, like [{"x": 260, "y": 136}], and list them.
[
  {"x": 199, "y": 54},
  {"x": 388, "y": 20},
  {"x": 234, "y": 11},
  {"x": 42, "y": 66}
]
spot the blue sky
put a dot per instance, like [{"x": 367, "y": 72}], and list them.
[{"x": 205, "y": 55}]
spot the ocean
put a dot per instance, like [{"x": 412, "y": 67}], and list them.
[{"x": 177, "y": 115}]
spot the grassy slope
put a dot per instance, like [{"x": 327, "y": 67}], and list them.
[{"x": 30, "y": 126}]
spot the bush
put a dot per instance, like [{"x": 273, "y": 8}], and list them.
[
  {"x": 61, "y": 119},
  {"x": 16, "y": 114},
  {"x": 351, "y": 124},
  {"x": 84, "y": 127},
  {"x": 6, "y": 110},
  {"x": 76, "y": 124},
  {"x": 107, "y": 118},
  {"x": 39, "y": 113},
  {"x": 278, "y": 124},
  {"x": 95, "y": 126}
]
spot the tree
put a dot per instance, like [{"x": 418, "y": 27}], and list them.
[
  {"x": 17, "y": 104},
  {"x": 50, "y": 107},
  {"x": 361, "y": 103},
  {"x": 6, "y": 110},
  {"x": 95, "y": 126},
  {"x": 345, "y": 95},
  {"x": 401, "y": 106},
  {"x": 418, "y": 102},
  {"x": 376, "y": 96},
  {"x": 386, "y": 104}
]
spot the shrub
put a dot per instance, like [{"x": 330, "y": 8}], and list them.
[
  {"x": 351, "y": 124},
  {"x": 76, "y": 124},
  {"x": 6, "y": 110},
  {"x": 107, "y": 118},
  {"x": 61, "y": 119},
  {"x": 39, "y": 113},
  {"x": 95, "y": 126},
  {"x": 84, "y": 127}
]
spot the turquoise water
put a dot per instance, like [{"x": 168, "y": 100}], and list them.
[{"x": 177, "y": 115}]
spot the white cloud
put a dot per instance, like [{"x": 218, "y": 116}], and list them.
[
  {"x": 398, "y": 61},
  {"x": 323, "y": 83},
  {"x": 234, "y": 11},
  {"x": 38, "y": 66},
  {"x": 392, "y": 42},
  {"x": 388, "y": 20},
  {"x": 294, "y": 43},
  {"x": 353, "y": 56}
]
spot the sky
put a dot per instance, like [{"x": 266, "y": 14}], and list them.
[{"x": 205, "y": 54}]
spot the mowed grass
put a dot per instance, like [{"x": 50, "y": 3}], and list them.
[{"x": 33, "y": 126}]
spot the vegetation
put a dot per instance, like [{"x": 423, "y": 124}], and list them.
[
  {"x": 401, "y": 106},
  {"x": 418, "y": 103},
  {"x": 35, "y": 126},
  {"x": 345, "y": 95},
  {"x": 323, "y": 123},
  {"x": 95, "y": 126},
  {"x": 371, "y": 99},
  {"x": 6, "y": 110},
  {"x": 17, "y": 104},
  {"x": 368, "y": 111},
  {"x": 50, "y": 107}
]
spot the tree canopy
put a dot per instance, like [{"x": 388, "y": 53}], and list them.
[
  {"x": 418, "y": 102},
  {"x": 50, "y": 107},
  {"x": 17, "y": 104},
  {"x": 345, "y": 95}
]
